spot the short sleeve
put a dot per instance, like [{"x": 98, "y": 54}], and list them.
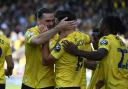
[
  {"x": 104, "y": 43},
  {"x": 29, "y": 35},
  {"x": 53, "y": 41},
  {"x": 9, "y": 50},
  {"x": 58, "y": 51}
]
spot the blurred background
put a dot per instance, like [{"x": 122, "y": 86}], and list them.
[{"x": 18, "y": 15}]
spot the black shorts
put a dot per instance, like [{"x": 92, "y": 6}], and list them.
[
  {"x": 27, "y": 87},
  {"x": 69, "y": 88},
  {"x": 52, "y": 87},
  {"x": 2, "y": 86}
]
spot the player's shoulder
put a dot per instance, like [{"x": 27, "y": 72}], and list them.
[
  {"x": 105, "y": 40},
  {"x": 105, "y": 37},
  {"x": 108, "y": 37},
  {"x": 83, "y": 36},
  {"x": 78, "y": 36},
  {"x": 80, "y": 33},
  {"x": 32, "y": 29},
  {"x": 4, "y": 39}
]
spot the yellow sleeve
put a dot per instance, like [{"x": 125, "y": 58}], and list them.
[
  {"x": 53, "y": 42},
  {"x": 9, "y": 50},
  {"x": 29, "y": 35},
  {"x": 104, "y": 43},
  {"x": 58, "y": 51}
]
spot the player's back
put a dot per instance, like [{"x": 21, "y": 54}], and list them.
[
  {"x": 115, "y": 64},
  {"x": 69, "y": 68},
  {"x": 97, "y": 75}
]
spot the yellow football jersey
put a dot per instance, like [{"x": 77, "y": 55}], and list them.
[
  {"x": 36, "y": 75},
  {"x": 115, "y": 64},
  {"x": 69, "y": 69},
  {"x": 83, "y": 81},
  {"x": 96, "y": 75},
  {"x": 53, "y": 41},
  {"x": 5, "y": 50}
]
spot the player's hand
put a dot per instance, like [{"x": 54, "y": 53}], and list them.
[
  {"x": 42, "y": 28},
  {"x": 8, "y": 73},
  {"x": 70, "y": 47},
  {"x": 63, "y": 24},
  {"x": 100, "y": 84}
]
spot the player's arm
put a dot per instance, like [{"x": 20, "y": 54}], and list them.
[
  {"x": 91, "y": 64},
  {"x": 45, "y": 36},
  {"x": 93, "y": 55},
  {"x": 9, "y": 61},
  {"x": 10, "y": 65},
  {"x": 50, "y": 57},
  {"x": 47, "y": 58},
  {"x": 100, "y": 84}
]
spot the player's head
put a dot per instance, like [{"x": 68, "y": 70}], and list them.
[
  {"x": 45, "y": 16},
  {"x": 95, "y": 37},
  {"x": 61, "y": 14},
  {"x": 112, "y": 25}
]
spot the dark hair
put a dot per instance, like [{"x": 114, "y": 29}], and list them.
[
  {"x": 95, "y": 31},
  {"x": 40, "y": 12},
  {"x": 61, "y": 14},
  {"x": 114, "y": 25}
]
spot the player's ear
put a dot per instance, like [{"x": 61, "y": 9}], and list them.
[
  {"x": 56, "y": 21},
  {"x": 40, "y": 22}
]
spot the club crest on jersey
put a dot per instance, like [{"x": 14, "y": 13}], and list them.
[
  {"x": 57, "y": 47},
  {"x": 104, "y": 42}
]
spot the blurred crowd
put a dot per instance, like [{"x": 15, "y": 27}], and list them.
[{"x": 18, "y": 15}]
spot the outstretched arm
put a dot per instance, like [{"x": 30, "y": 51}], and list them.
[
  {"x": 47, "y": 34},
  {"x": 10, "y": 65},
  {"x": 93, "y": 55}
]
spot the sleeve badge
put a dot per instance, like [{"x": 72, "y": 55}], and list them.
[
  {"x": 103, "y": 42},
  {"x": 57, "y": 47}
]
